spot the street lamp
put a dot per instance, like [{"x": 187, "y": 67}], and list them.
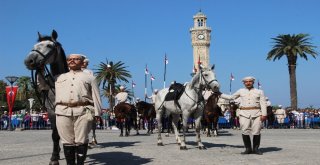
[
  {"x": 11, "y": 80},
  {"x": 31, "y": 100}
]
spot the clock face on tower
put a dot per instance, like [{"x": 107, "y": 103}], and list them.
[{"x": 200, "y": 36}]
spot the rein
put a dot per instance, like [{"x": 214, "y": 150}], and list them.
[{"x": 46, "y": 75}]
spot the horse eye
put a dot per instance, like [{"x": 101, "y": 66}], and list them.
[
  {"x": 50, "y": 46},
  {"x": 205, "y": 74}
]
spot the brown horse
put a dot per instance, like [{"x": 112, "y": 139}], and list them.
[
  {"x": 211, "y": 114},
  {"x": 234, "y": 118},
  {"x": 147, "y": 113},
  {"x": 126, "y": 116}
]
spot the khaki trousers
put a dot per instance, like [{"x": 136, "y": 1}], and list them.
[
  {"x": 250, "y": 125},
  {"x": 73, "y": 129}
]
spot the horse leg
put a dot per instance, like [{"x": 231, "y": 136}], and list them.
[
  {"x": 175, "y": 120},
  {"x": 209, "y": 127},
  {"x": 135, "y": 122},
  {"x": 54, "y": 160},
  {"x": 215, "y": 124},
  {"x": 121, "y": 128},
  {"x": 184, "y": 129},
  {"x": 94, "y": 126},
  {"x": 159, "y": 120},
  {"x": 127, "y": 127},
  {"x": 198, "y": 125}
]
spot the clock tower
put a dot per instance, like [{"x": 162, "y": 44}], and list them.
[{"x": 200, "y": 39}]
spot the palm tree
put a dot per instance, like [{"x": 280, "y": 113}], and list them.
[
  {"x": 111, "y": 73},
  {"x": 292, "y": 46},
  {"x": 24, "y": 84}
]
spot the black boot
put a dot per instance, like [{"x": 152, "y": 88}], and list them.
[
  {"x": 81, "y": 153},
  {"x": 247, "y": 144},
  {"x": 256, "y": 144},
  {"x": 69, "y": 153}
]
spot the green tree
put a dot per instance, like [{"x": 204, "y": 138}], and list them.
[
  {"x": 111, "y": 73},
  {"x": 292, "y": 47},
  {"x": 3, "y": 85},
  {"x": 24, "y": 84}
]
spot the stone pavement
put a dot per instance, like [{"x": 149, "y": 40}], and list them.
[{"x": 280, "y": 146}]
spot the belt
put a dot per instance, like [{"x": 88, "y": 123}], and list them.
[
  {"x": 76, "y": 104},
  {"x": 249, "y": 108}
]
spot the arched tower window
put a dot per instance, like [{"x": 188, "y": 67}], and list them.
[{"x": 200, "y": 22}]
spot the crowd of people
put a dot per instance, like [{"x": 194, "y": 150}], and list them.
[{"x": 25, "y": 120}]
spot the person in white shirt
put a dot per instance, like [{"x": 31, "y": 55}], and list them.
[
  {"x": 153, "y": 96},
  {"x": 122, "y": 96},
  {"x": 280, "y": 115}
]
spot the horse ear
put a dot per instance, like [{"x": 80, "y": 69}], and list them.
[
  {"x": 54, "y": 35},
  {"x": 212, "y": 68},
  {"x": 39, "y": 36}
]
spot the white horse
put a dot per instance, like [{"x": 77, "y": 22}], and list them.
[{"x": 191, "y": 102}]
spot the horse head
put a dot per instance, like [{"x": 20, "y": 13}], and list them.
[
  {"x": 47, "y": 51},
  {"x": 206, "y": 78}
]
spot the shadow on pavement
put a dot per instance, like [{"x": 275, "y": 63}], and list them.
[
  {"x": 270, "y": 149},
  {"x": 118, "y": 144},
  {"x": 118, "y": 158}
]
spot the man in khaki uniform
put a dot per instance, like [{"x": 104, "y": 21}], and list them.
[
  {"x": 280, "y": 115},
  {"x": 252, "y": 113},
  {"x": 122, "y": 96},
  {"x": 153, "y": 96},
  {"x": 77, "y": 101}
]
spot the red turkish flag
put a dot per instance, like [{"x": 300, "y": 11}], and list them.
[{"x": 11, "y": 97}]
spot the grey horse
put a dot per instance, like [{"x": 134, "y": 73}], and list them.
[{"x": 191, "y": 102}]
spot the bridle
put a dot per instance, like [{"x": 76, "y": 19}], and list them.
[
  {"x": 43, "y": 71},
  {"x": 207, "y": 84}
]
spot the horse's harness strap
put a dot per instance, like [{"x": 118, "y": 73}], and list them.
[
  {"x": 249, "y": 108},
  {"x": 76, "y": 104}
]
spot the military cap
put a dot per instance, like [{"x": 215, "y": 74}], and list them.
[{"x": 248, "y": 78}]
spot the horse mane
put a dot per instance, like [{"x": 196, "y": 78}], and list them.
[
  {"x": 194, "y": 80},
  {"x": 60, "y": 65}
]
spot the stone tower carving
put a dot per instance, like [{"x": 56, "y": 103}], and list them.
[{"x": 200, "y": 39}]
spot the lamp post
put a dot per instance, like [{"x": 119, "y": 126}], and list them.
[
  {"x": 11, "y": 79},
  {"x": 31, "y": 100}
]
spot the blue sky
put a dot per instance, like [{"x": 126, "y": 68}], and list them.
[{"x": 140, "y": 32}]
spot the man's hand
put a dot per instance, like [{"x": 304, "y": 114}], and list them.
[{"x": 263, "y": 118}]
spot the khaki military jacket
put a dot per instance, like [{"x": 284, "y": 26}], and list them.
[
  {"x": 121, "y": 97},
  {"x": 252, "y": 102},
  {"x": 77, "y": 87},
  {"x": 280, "y": 113}
]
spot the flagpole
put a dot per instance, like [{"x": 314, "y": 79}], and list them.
[
  {"x": 145, "y": 84},
  {"x": 151, "y": 82},
  {"x": 230, "y": 86},
  {"x": 165, "y": 71},
  {"x": 132, "y": 89}
]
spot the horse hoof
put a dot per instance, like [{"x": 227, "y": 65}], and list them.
[
  {"x": 54, "y": 162},
  {"x": 202, "y": 148},
  {"x": 160, "y": 144},
  {"x": 183, "y": 147},
  {"x": 120, "y": 135}
]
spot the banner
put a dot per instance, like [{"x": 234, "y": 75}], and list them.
[{"x": 11, "y": 97}]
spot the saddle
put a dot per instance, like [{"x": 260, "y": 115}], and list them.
[{"x": 175, "y": 92}]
